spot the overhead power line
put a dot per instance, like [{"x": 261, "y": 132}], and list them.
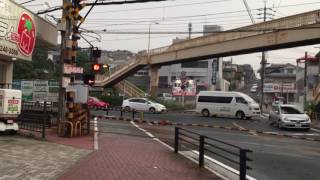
[
  {"x": 198, "y": 32},
  {"x": 161, "y": 7},
  {"x": 103, "y": 4}
]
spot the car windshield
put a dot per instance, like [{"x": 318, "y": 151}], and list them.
[
  {"x": 248, "y": 98},
  {"x": 290, "y": 110}
]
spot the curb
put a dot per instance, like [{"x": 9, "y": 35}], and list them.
[{"x": 169, "y": 123}]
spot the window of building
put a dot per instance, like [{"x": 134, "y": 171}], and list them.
[
  {"x": 215, "y": 99},
  {"x": 290, "y": 71}
]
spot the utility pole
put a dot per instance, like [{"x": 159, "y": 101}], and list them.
[
  {"x": 65, "y": 33},
  {"x": 263, "y": 62},
  {"x": 190, "y": 29},
  {"x": 305, "y": 80}
]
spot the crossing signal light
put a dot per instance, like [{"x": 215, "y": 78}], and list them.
[
  {"x": 96, "y": 67},
  {"x": 89, "y": 79},
  {"x": 96, "y": 53}
]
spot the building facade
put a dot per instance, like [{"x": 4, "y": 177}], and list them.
[{"x": 280, "y": 83}]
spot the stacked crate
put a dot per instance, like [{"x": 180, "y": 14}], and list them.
[{"x": 76, "y": 116}]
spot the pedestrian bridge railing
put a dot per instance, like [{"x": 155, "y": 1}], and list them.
[{"x": 221, "y": 151}]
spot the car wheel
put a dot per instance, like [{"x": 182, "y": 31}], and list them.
[
  {"x": 240, "y": 115},
  {"x": 205, "y": 113},
  {"x": 13, "y": 132},
  {"x": 152, "y": 110},
  {"x": 271, "y": 122},
  {"x": 127, "y": 108}
]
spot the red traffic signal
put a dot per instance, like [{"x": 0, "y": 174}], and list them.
[{"x": 96, "y": 67}]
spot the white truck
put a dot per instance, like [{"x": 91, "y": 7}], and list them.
[{"x": 10, "y": 109}]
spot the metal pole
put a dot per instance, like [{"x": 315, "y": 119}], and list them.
[
  {"x": 305, "y": 80},
  {"x": 243, "y": 164},
  {"x": 149, "y": 34},
  {"x": 176, "y": 140},
  {"x": 44, "y": 119},
  {"x": 263, "y": 63},
  {"x": 201, "y": 151}
]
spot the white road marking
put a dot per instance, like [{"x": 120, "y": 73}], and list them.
[
  {"x": 294, "y": 134},
  {"x": 185, "y": 155},
  {"x": 95, "y": 122},
  {"x": 316, "y": 130}
]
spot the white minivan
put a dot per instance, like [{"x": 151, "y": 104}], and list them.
[{"x": 224, "y": 103}]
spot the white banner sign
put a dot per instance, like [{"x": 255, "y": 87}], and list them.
[
  {"x": 69, "y": 69},
  {"x": 279, "y": 87}
]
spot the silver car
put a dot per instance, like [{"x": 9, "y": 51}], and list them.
[{"x": 289, "y": 116}]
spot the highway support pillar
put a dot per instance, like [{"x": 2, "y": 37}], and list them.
[{"x": 154, "y": 80}]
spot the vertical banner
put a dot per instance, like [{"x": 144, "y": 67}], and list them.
[
  {"x": 27, "y": 90},
  {"x": 215, "y": 69},
  {"x": 40, "y": 89}
]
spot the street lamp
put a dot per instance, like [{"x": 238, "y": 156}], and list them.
[{"x": 154, "y": 22}]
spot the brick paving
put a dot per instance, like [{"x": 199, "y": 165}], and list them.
[
  {"x": 125, "y": 157},
  {"x": 83, "y": 142},
  {"x": 27, "y": 158}
]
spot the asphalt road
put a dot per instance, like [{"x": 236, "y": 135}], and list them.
[{"x": 274, "y": 157}]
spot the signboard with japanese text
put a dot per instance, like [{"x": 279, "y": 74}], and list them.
[
  {"x": 40, "y": 90},
  {"x": 17, "y": 31},
  {"x": 279, "y": 87},
  {"x": 215, "y": 69},
  {"x": 27, "y": 90}
]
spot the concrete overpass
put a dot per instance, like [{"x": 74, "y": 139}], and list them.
[
  {"x": 297, "y": 30},
  {"x": 15, "y": 43}
]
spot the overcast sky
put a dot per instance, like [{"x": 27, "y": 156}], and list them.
[{"x": 174, "y": 15}]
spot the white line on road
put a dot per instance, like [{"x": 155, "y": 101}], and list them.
[
  {"x": 316, "y": 130},
  {"x": 95, "y": 122},
  {"x": 171, "y": 148}
]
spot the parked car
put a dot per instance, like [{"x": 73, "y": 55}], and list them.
[
  {"x": 143, "y": 104},
  {"x": 289, "y": 116},
  {"x": 234, "y": 104},
  {"x": 96, "y": 103},
  {"x": 166, "y": 97},
  {"x": 254, "y": 88}
]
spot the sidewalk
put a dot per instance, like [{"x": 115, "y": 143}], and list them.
[{"x": 126, "y": 157}]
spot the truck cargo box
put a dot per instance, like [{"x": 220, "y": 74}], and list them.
[{"x": 10, "y": 102}]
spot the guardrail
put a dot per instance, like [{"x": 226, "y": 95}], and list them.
[
  {"x": 214, "y": 146},
  {"x": 35, "y": 117}
]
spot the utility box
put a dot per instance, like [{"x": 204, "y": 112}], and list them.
[
  {"x": 10, "y": 102},
  {"x": 81, "y": 91}
]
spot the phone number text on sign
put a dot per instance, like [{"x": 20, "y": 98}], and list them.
[{"x": 8, "y": 50}]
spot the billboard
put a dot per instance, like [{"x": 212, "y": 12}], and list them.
[
  {"x": 40, "y": 90},
  {"x": 188, "y": 88},
  {"x": 17, "y": 31},
  {"x": 279, "y": 87}
]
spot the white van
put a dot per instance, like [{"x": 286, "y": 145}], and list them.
[{"x": 220, "y": 103}]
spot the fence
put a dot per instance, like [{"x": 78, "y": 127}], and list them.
[
  {"x": 224, "y": 151},
  {"x": 35, "y": 117}
]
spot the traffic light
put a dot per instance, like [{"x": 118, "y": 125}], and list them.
[
  {"x": 89, "y": 79},
  {"x": 106, "y": 67},
  {"x": 96, "y": 53},
  {"x": 96, "y": 68}
]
